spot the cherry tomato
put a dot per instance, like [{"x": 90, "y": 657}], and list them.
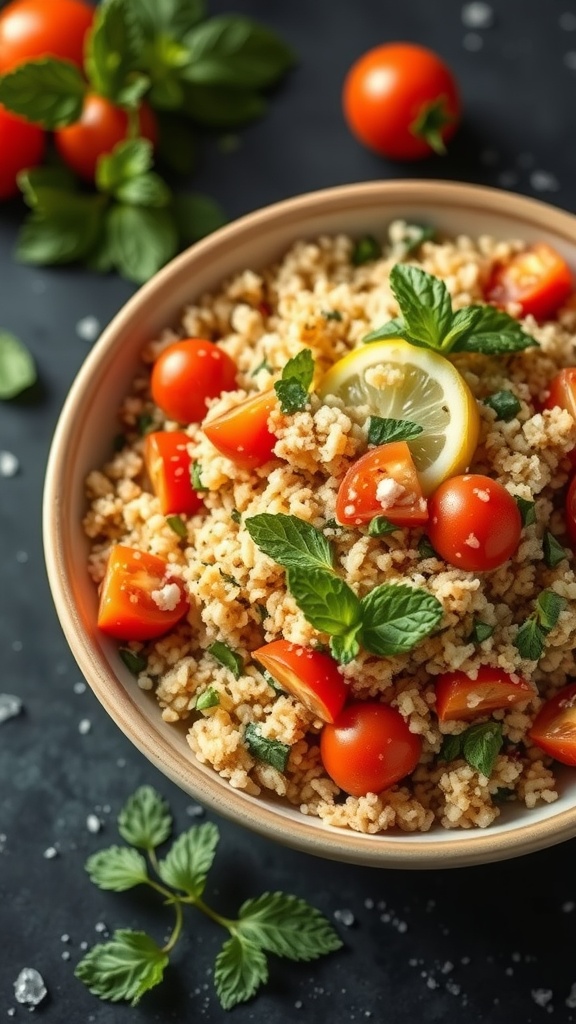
[
  {"x": 538, "y": 280},
  {"x": 402, "y": 101},
  {"x": 242, "y": 433},
  {"x": 100, "y": 128},
  {"x": 30, "y": 29},
  {"x": 311, "y": 676},
  {"x": 383, "y": 482},
  {"x": 21, "y": 146},
  {"x": 562, "y": 391},
  {"x": 187, "y": 374},
  {"x": 554, "y": 728},
  {"x": 459, "y": 697},
  {"x": 368, "y": 748},
  {"x": 570, "y": 510},
  {"x": 168, "y": 466},
  {"x": 139, "y": 598},
  {"x": 474, "y": 522}
]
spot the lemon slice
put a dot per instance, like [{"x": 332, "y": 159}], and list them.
[{"x": 397, "y": 380}]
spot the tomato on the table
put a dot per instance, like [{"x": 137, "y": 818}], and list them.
[
  {"x": 140, "y": 599},
  {"x": 554, "y": 728},
  {"x": 168, "y": 465},
  {"x": 22, "y": 146},
  {"x": 242, "y": 433},
  {"x": 30, "y": 29},
  {"x": 368, "y": 748},
  {"x": 383, "y": 482},
  {"x": 537, "y": 279},
  {"x": 187, "y": 374},
  {"x": 101, "y": 126},
  {"x": 311, "y": 676},
  {"x": 402, "y": 101},
  {"x": 460, "y": 697},
  {"x": 474, "y": 523}
]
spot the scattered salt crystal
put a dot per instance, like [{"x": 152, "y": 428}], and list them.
[
  {"x": 9, "y": 464},
  {"x": 29, "y": 987},
  {"x": 65, "y": 937},
  {"x": 79, "y": 687},
  {"x": 568, "y": 906},
  {"x": 10, "y": 706},
  {"x": 11, "y": 1012},
  {"x": 516, "y": 957},
  {"x": 17, "y": 645},
  {"x": 542, "y": 996},
  {"x": 477, "y": 15},
  {"x": 50, "y": 853},
  {"x": 571, "y": 998},
  {"x": 369, "y": 903},
  {"x": 401, "y": 927},
  {"x": 509, "y": 971},
  {"x": 88, "y": 328},
  {"x": 466, "y": 960},
  {"x": 345, "y": 917},
  {"x": 567, "y": 21},
  {"x": 93, "y": 823},
  {"x": 413, "y": 962},
  {"x": 543, "y": 181},
  {"x": 472, "y": 42},
  {"x": 453, "y": 988},
  {"x": 431, "y": 982},
  {"x": 3, "y": 838},
  {"x": 65, "y": 954},
  {"x": 298, "y": 1004},
  {"x": 195, "y": 811},
  {"x": 121, "y": 762},
  {"x": 100, "y": 927},
  {"x": 84, "y": 726},
  {"x": 22, "y": 557},
  {"x": 447, "y": 967},
  {"x": 83, "y": 945}
]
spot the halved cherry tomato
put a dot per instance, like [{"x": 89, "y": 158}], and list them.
[
  {"x": 458, "y": 697},
  {"x": 554, "y": 728},
  {"x": 30, "y": 29},
  {"x": 570, "y": 510},
  {"x": 311, "y": 676},
  {"x": 474, "y": 524},
  {"x": 242, "y": 433},
  {"x": 187, "y": 374},
  {"x": 101, "y": 127},
  {"x": 22, "y": 146},
  {"x": 368, "y": 748},
  {"x": 383, "y": 482},
  {"x": 139, "y": 599},
  {"x": 537, "y": 279},
  {"x": 562, "y": 393},
  {"x": 168, "y": 466}
]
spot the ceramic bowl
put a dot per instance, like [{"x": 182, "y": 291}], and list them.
[{"x": 82, "y": 442}]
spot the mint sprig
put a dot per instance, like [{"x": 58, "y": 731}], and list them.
[
  {"x": 131, "y": 963},
  {"x": 530, "y": 639},
  {"x": 293, "y": 387},
  {"x": 479, "y": 745},
  {"x": 290, "y": 541}
]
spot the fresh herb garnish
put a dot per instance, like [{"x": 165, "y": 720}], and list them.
[
  {"x": 425, "y": 549},
  {"x": 344, "y": 648},
  {"x": 235, "y": 516},
  {"x": 480, "y": 631},
  {"x": 227, "y": 657},
  {"x": 396, "y": 617},
  {"x": 479, "y": 746},
  {"x": 273, "y": 752},
  {"x": 273, "y": 683},
  {"x": 328, "y": 603},
  {"x": 382, "y": 430},
  {"x": 553, "y": 551},
  {"x": 292, "y": 389},
  {"x": 135, "y": 662},
  {"x": 290, "y": 541},
  {"x": 177, "y": 524},
  {"x": 229, "y": 579},
  {"x": 196, "y": 477},
  {"x": 332, "y": 314},
  {"x": 209, "y": 698},
  {"x": 531, "y": 637},
  {"x": 365, "y": 250},
  {"x": 379, "y": 526},
  {"x": 131, "y": 963},
  {"x": 527, "y": 510},
  {"x": 428, "y": 320},
  {"x": 264, "y": 365},
  {"x": 505, "y": 405},
  {"x": 17, "y": 368},
  {"x": 413, "y": 236}
]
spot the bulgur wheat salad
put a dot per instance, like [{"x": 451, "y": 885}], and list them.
[{"x": 335, "y": 535}]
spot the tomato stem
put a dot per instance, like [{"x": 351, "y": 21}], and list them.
[{"x": 431, "y": 119}]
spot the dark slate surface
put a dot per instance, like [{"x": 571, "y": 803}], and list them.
[{"x": 472, "y": 945}]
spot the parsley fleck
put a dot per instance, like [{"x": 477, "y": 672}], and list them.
[
  {"x": 273, "y": 752},
  {"x": 264, "y": 365},
  {"x": 365, "y": 250},
  {"x": 235, "y": 516},
  {"x": 227, "y": 657},
  {"x": 144, "y": 423},
  {"x": 293, "y": 387},
  {"x": 553, "y": 551},
  {"x": 196, "y": 477},
  {"x": 379, "y": 526},
  {"x": 332, "y": 314},
  {"x": 134, "y": 661},
  {"x": 383, "y": 431},
  {"x": 479, "y": 745},
  {"x": 527, "y": 510},
  {"x": 480, "y": 631},
  {"x": 425, "y": 549},
  {"x": 209, "y": 698},
  {"x": 228, "y": 578},
  {"x": 177, "y": 524},
  {"x": 505, "y": 405}
]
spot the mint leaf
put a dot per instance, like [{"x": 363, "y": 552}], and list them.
[
  {"x": 114, "y": 46},
  {"x": 234, "y": 50},
  {"x": 395, "y": 617},
  {"x": 142, "y": 240},
  {"x": 379, "y": 526},
  {"x": 290, "y": 541},
  {"x": 190, "y": 858},
  {"x": 527, "y": 510},
  {"x": 553, "y": 551},
  {"x": 197, "y": 216},
  {"x": 129, "y": 159},
  {"x": 451, "y": 748},
  {"x": 240, "y": 969},
  {"x": 17, "y": 367},
  {"x": 505, "y": 405},
  {"x": 392, "y": 329},
  {"x": 273, "y": 752},
  {"x": 345, "y": 648},
  {"x": 383, "y": 430},
  {"x": 297, "y": 375},
  {"x": 124, "y": 968},
  {"x": 530, "y": 640},
  {"x": 47, "y": 91},
  {"x": 327, "y": 602},
  {"x": 291, "y": 395},
  {"x": 145, "y": 819},
  {"x": 62, "y": 227},
  {"x": 144, "y": 190},
  {"x": 209, "y": 698},
  {"x": 549, "y": 604},
  {"x": 287, "y": 926},
  {"x": 177, "y": 524},
  {"x": 492, "y": 332},
  {"x": 424, "y": 303},
  {"x": 300, "y": 368},
  {"x": 135, "y": 662},
  {"x": 118, "y": 868},
  {"x": 172, "y": 18},
  {"x": 481, "y": 745},
  {"x": 227, "y": 657},
  {"x": 480, "y": 631},
  {"x": 365, "y": 250}
]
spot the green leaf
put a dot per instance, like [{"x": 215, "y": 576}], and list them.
[
  {"x": 432, "y": 117},
  {"x": 365, "y": 250},
  {"x": 197, "y": 216},
  {"x": 190, "y": 858},
  {"x": 290, "y": 541},
  {"x": 549, "y": 604},
  {"x": 287, "y": 926},
  {"x": 395, "y": 328},
  {"x": 62, "y": 227},
  {"x": 273, "y": 752},
  {"x": 17, "y": 367},
  {"x": 480, "y": 631},
  {"x": 177, "y": 524},
  {"x": 291, "y": 395},
  {"x": 424, "y": 303},
  {"x": 413, "y": 236},
  {"x": 327, "y": 602},
  {"x": 124, "y": 968},
  {"x": 297, "y": 375},
  {"x": 142, "y": 240},
  {"x": 425, "y": 549},
  {"x": 395, "y": 617},
  {"x": 553, "y": 551},
  {"x": 383, "y": 430},
  {"x": 145, "y": 819},
  {"x": 451, "y": 748},
  {"x": 210, "y": 698},
  {"x": 47, "y": 91},
  {"x": 113, "y": 48},
  {"x": 129, "y": 159},
  {"x": 220, "y": 106},
  {"x": 234, "y": 50},
  {"x": 196, "y": 477},
  {"x": 131, "y": 93},
  {"x": 379, "y": 526},
  {"x": 227, "y": 657},
  {"x": 118, "y": 868},
  {"x": 33, "y": 181},
  {"x": 527, "y": 510},
  {"x": 135, "y": 662},
  {"x": 530, "y": 640},
  {"x": 171, "y": 17},
  {"x": 144, "y": 190},
  {"x": 493, "y": 332},
  {"x": 177, "y": 144},
  {"x": 300, "y": 368},
  {"x": 481, "y": 745},
  {"x": 239, "y": 971},
  {"x": 332, "y": 314},
  {"x": 505, "y": 405},
  {"x": 345, "y": 648}
]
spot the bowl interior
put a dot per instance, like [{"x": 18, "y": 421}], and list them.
[{"x": 83, "y": 442}]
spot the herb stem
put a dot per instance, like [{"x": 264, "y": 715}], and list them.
[
  {"x": 226, "y": 922},
  {"x": 177, "y": 928}
]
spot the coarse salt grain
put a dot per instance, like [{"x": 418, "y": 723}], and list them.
[
  {"x": 10, "y": 706},
  {"x": 29, "y": 987},
  {"x": 88, "y": 328},
  {"x": 477, "y": 15},
  {"x": 9, "y": 464},
  {"x": 84, "y": 726},
  {"x": 542, "y": 996},
  {"x": 93, "y": 823}
]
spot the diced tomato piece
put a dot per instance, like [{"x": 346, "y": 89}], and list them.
[
  {"x": 140, "y": 599},
  {"x": 458, "y": 697},
  {"x": 311, "y": 676},
  {"x": 242, "y": 433},
  {"x": 554, "y": 728},
  {"x": 383, "y": 482},
  {"x": 538, "y": 279},
  {"x": 168, "y": 466}
]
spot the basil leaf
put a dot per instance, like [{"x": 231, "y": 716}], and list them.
[
  {"x": 549, "y": 604},
  {"x": 129, "y": 159},
  {"x": 197, "y": 216},
  {"x": 505, "y": 405},
  {"x": 553, "y": 551},
  {"x": 145, "y": 819},
  {"x": 210, "y": 698},
  {"x": 393, "y": 329},
  {"x": 481, "y": 745},
  {"x": 177, "y": 524},
  {"x": 290, "y": 541},
  {"x": 234, "y": 50},
  {"x": 291, "y": 395},
  {"x": 530, "y": 640},
  {"x": 124, "y": 968},
  {"x": 227, "y": 657},
  {"x": 395, "y": 617},
  {"x": 47, "y": 91},
  {"x": 190, "y": 858},
  {"x": 17, "y": 367},
  {"x": 240, "y": 969},
  {"x": 493, "y": 332},
  {"x": 379, "y": 526},
  {"x": 135, "y": 662},
  {"x": 327, "y": 602},
  {"x": 527, "y": 510},
  {"x": 219, "y": 106},
  {"x": 113, "y": 49},
  {"x": 142, "y": 240},
  {"x": 365, "y": 250},
  {"x": 62, "y": 227},
  {"x": 451, "y": 748},
  {"x": 480, "y": 631},
  {"x": 148, "y": 190},
  {"x": 424, "y": 303},
  {"x": 273, "y": 752},
  {"x": 117, "y": 869},
  {"x": 345, "y": 648},
  {"x": 286, "y": 926},
  {"x": 382, "y": 430}
]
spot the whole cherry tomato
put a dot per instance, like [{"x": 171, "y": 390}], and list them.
[
  {"x": 309, "y": 675},
  {"x": 101, "y": 127},
  {"x": 30, "y": 29},
  {"x": 168, "y": 466},
  {"x": 383, "y": 482},
  {"x": 401, "y": 100},
  {"x": 139, "y": 598},
  {"x": 368, "y": 748},
  {"x": 537, "y": 279},
  {"x": 242, "y": 434},
  {"x": 22, "y": 145},
  {"x": 554, "y": 728},
  {"x": 570, "y": 510},
  {"x": 187, "y": 374},
  {"x": 459, "y": 697},
  {"x": 474, "y": 524}
]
